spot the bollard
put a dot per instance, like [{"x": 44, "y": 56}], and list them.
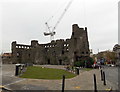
[
  {"x": 72, "y": 68},
  {"x": 63, "y": 83},
  {"x": 77, "y": 71},
  {"x": 95, "y": 84},
  {"x": 101, "y": 75},
  {"x": 17, "y": 70},
  {"x": 104, "y": 81}
]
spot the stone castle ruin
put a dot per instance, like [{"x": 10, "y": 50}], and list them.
[{"x": 58, "y": 52}]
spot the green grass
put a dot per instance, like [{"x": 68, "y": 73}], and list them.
[{"x": 35, "y": 72}]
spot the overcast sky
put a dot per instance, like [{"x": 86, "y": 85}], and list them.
[{"x": 24, "y": 20}]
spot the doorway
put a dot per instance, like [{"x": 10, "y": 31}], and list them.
[
  {"x": 60, "y": 62},
  {"x": 48, "y": 61}
]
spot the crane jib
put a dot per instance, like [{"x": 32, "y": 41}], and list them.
[{"x": 52, "y": 32}]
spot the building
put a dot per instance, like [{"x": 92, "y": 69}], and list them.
[
  {"x": 116, "y": 49},
  {"x": 6, "y": 58},
  {"x": 57, "y": 52}
]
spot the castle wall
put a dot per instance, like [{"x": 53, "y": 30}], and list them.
[
  {"x": 57, "y": 52},
  {"x": 20, "y": 53}
]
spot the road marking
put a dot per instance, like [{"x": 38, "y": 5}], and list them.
[
  {"x": 1, "y": 86},
  {"x": 14, "y": 82},
  {"x": 78, "y": 87},
  {"x": 108, "y": 89}
]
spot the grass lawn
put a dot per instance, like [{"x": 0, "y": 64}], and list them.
[{"x": 35, "y": 72}]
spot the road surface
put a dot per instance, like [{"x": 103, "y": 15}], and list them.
[{"x": 112, "y": 76}]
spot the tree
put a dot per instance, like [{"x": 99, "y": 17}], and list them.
[
  {"x": 84, "y": 62},
  {"x": 107, "y": 55},
  {"x": 111, "y": 56}
]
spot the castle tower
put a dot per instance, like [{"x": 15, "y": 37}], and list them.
[
  {"x": 34, "y": 43},
  {"x": 79, "y": 42},
  {"x": 14, "y": 52}
]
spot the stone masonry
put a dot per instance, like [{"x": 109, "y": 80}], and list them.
[{"x": 57, "y": 52}]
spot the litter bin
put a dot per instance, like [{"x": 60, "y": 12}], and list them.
[
  {"x": 77, "y": 71},
  {"x": 17, "y": 69}
]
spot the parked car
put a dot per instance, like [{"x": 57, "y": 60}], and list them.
[{"x": 110, "y": 65}]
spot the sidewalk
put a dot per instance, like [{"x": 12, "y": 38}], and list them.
[{"x": 84, "y": 81}]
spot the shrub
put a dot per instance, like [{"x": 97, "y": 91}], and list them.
[{"x": 84, "y": 62}]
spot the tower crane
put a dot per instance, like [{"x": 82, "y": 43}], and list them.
[{"x": 52, "y": 32}]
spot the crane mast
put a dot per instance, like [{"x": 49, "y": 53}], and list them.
[{"x": 52, "y": 32}]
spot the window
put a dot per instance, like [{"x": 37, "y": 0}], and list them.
[
  {"x": 86, "y": 52},
  {"x": 67, "y": 49},
  {"x": 75, "y": 52},
  {"x": 82, "y": 52},
  {"x": 62, "y": 51},
  {"x": 67, "y": 44},
  {"x": 28, "y": 55},
  {"x": 64, "y": 45},
  {"x": 18, "y": 54},
  {"x": 16, "y": 46}
]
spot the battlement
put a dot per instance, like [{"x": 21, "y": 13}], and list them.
[
  {"x": 75, "y": 28},
  {"x": 20, "y": 46}
]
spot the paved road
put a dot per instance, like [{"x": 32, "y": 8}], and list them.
[
  {"x": 8, "y": 72},
  {"x": 9, "y": 79},
  {"x": 112, "y": 76}
]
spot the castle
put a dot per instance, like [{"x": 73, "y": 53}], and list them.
[{"x": 58, "y": 52}]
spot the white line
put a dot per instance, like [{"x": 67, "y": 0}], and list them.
[{"x": 15, "y": 82}]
